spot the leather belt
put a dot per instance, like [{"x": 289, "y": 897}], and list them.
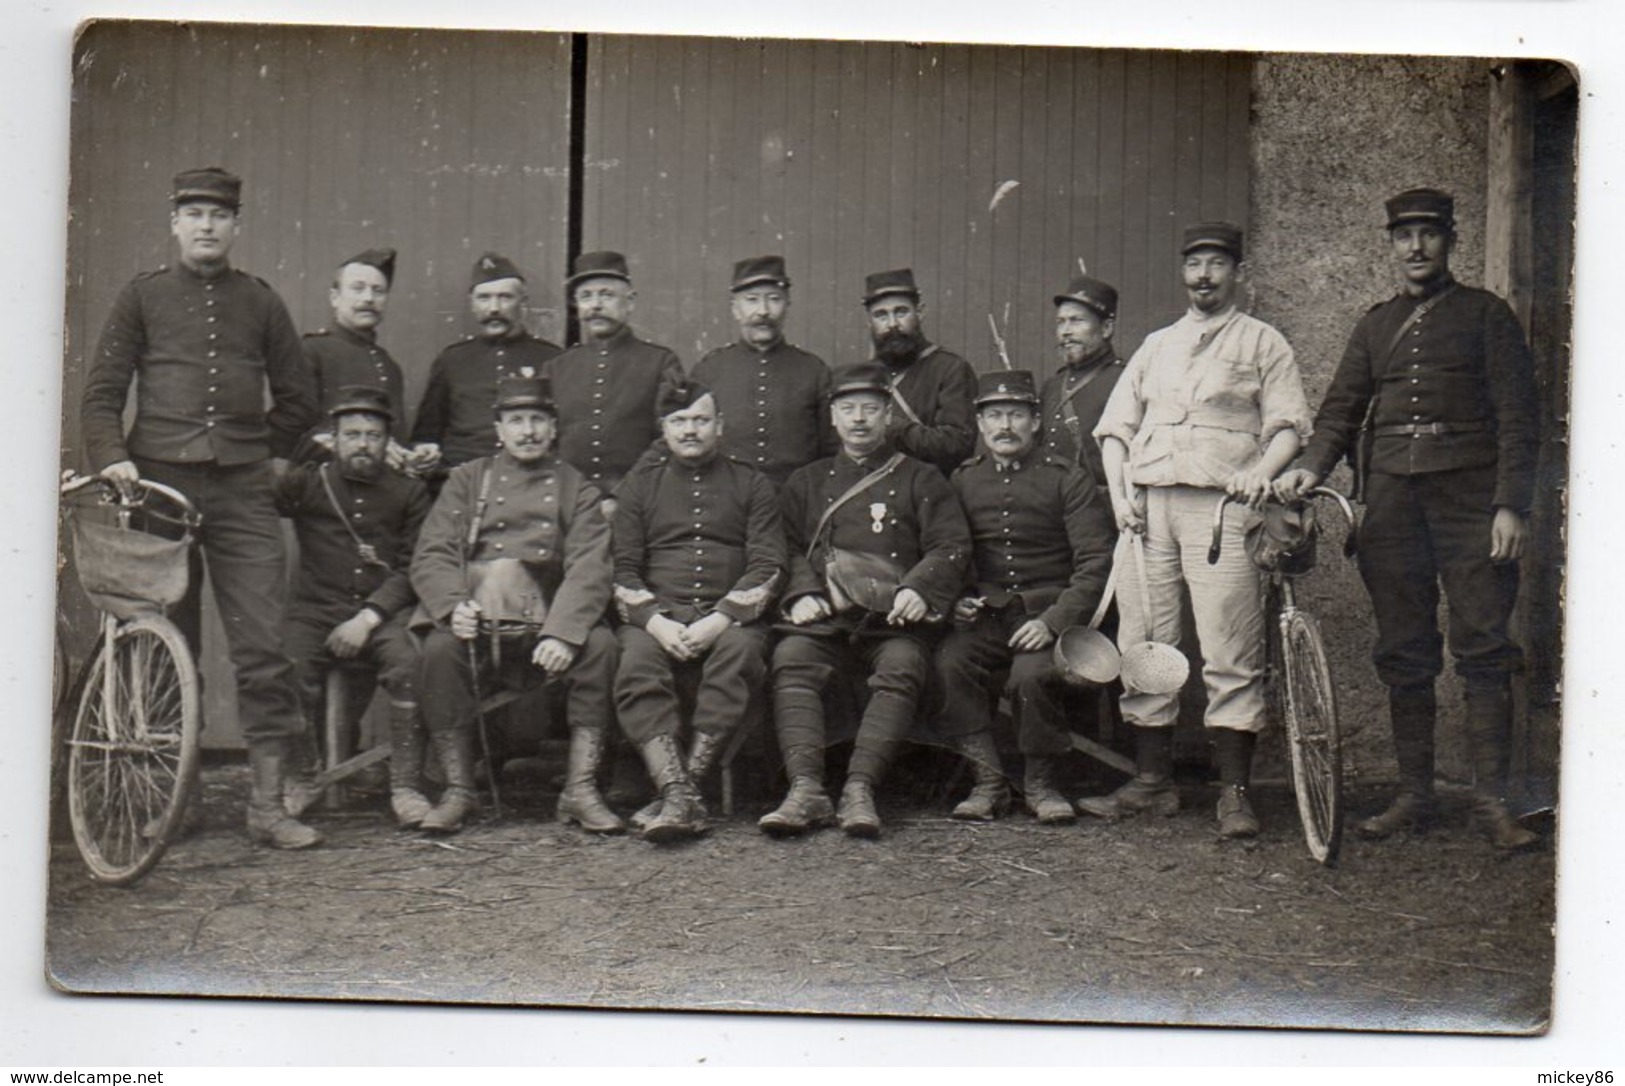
[{"x": 1412, "y": 429}]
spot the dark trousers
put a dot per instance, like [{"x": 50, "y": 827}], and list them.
[
  {"x": 241, "y": 542},
  {"x": 970, "y": 663},
  {"x": 650, "y": 685},
  {"x": 390, "y": 653},
  {"x": 1420, "y": 531},
  {"x": 446, "y": 681},
  {"x": 807, "y": 666}
]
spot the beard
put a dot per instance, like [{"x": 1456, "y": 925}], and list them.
[
  {"x": 898, "y": 345},
  {"x": 361, "y": 466}
]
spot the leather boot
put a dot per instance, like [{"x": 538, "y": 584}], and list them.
[
  {"x": 702, "y": 755},
  {"x": 681, "y": 812},
  {"x": 1489, "y": 732},
  {"x": 299, "y": 791},
  {"x": 580, "y": 802},
  {"x": 1038, "y": 791},
  {"x": 407, "y": 736},
  {"x": 1412, "y": 712},
  {"x": 806, "y": 806},
  {"x": 1152, "y": 787},
  {"x": 455, "y": 749},
  {"x": 268, "y": 823},
  {"x": 990, "y": 796},
  {"x": 857, "y": 814},
  {"x": 1235, "y": 756}
]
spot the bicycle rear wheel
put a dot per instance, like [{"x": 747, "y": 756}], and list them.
[
  {"x": 133, "y": 753},
  {"x": 1313, "y": 736}
]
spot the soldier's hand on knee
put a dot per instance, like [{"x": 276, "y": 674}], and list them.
[
  {"x": 669, "y": 634},
  {"x": 1032, "y": 636},
  {"x": 349, "y": 637},
  {"x": 1507, "y": 535},
  {"x": 907, "y": 606},
  {"x": 465, "y": 620},
  {"x": 702, "y": 633},
  {"x": 553, "y": 656},
  {"x": 809, "y": 608}
]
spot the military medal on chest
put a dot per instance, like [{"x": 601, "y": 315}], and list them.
[{"x": 877, "y": 514}]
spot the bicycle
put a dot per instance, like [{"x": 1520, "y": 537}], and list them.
[
  {"x": 1299, "y": 678},
  {"x": 133, "y": 747}
]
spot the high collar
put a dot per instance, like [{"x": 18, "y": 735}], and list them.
[
  {"x": 516, "y": 333},
  {"x": 504, "y": 459},
  {"x": 1102, "y": 356},
  {"x": 365, "y": 339},
  {"x": 1431, "y": 290},
  {"x": 203, "y": 276},
  {"x": 774, "y": 348},
  {"x": 870, "y": 462},
  {"x": 1017, "y": 464},
  {"x": 613, "y": 343}
]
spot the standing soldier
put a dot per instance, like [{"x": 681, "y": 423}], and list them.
[
  {"x": 204, "y": 343},
  {"x": 699, "y": 558},
  {"x": 608, "y": 384},
  {"x": 513, "y": 573},
  {"x": 1075, "y": 396},
  {"x": 453, "y": 424},
  {"x": 877, "y": 546},
  {"x": 357, "y": 521},
  {"x": 932, "y": 388},
  {"x": 1211, "y": 405},
  {"x": 1042, "y": 539},
  {"x": 774, "y": 396},
  {"x": 1437, "y": 385},
  {"x": 346, "y": 353}
]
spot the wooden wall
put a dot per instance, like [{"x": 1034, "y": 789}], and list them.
[{"x": 852, "y": 157}]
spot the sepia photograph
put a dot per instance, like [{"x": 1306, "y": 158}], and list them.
[{"x": 910, "y": 531}]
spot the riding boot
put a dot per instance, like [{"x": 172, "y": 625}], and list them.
[
  {"x": 681, "y": 812},
  {"x": 407, "y": 736},
  {"x": 580, "y": 802},
  {"x": 1152, "y": 787},
  {"x": 1412, "y": 712},
  {"x": 268, "y": 823},
  {"x": 702, "y": 755},
  {"x": 1039, "y": 794},
  {"x": 299, "y": 791},
  {"x": 806, "y": 806},
  {"x": 990, "y": 796},
  {"x": 1489, "y": 731},
  {"x": 1235, "y": 756},
  {"x": 455, "y": 749}
]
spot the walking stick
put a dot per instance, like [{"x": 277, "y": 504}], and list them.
[{"x": 479, "y": 720}]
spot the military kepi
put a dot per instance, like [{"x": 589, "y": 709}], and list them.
[
  {"x": 361, "y": 399},
  {"x": 897, "y": 281},
  {"x": 854, "y": 377},
  {"x": 517, "y": 392},
  {"x": 1422, "y": 205},
  {"x": 598, "y": 266},
  {"x": 679, "y": 397},
  {"x": 759, "y": 271},
  {"x": 1006, "y": 386},
  {"x": 491, "y": 267},
  {"x": 210, "y": 184},
  {"x": 1094, "y": 293},
  {"x": 382, "y": 259},
  {"x": 1213, "y": 235}
]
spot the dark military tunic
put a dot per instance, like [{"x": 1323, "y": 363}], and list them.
[
  {"x": 546, "y": 515},
  {"x": 1073, "y": 400},
  {"x": 455, "y": 412},
  {"x": 205, "y": 349},
  {"x": 939, "y": 388},
  {"x": 1456, "y": 433},
  {"x": 335, "y": 580},
  {"x": 1043, "y": 540},
  {"x": 606, "y": 394},
  {"x": 690, "y": 540},
  {"x": 775, "y": 405},
  {"x": 340, "y": 357},
  {"x": 202, "y": 351}
]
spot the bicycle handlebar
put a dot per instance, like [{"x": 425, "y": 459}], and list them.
[
  {"x": 188, "y": 517},
  {"x": 1313, "y": 492}
]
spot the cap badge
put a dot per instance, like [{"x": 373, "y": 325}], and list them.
[{"x": 488, "y": 264}]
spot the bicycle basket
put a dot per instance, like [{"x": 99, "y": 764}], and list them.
[
  {"x": 126, "y": 572},
  {"x": 1284, "y": 539}
]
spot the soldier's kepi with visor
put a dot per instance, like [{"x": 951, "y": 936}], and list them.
[{"x": 1075, "y": 395}]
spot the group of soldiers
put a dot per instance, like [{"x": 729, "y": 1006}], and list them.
[{"x": 876, "y": 550}]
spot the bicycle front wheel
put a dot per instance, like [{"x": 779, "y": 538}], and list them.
[
  {"x": 133, "y": 753},
  {"x": 1313, "y": 736}
]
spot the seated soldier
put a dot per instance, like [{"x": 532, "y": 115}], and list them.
[
  {"x": 1042, "y": 551},
  {"x": 699, "y": 556},
  {"x": 357, "y": 521},
  {"x": 513, "y": 573},
  {"x": 878, "y": 546}
]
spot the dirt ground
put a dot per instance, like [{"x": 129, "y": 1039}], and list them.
[{"x": 1155, "y": 920}]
